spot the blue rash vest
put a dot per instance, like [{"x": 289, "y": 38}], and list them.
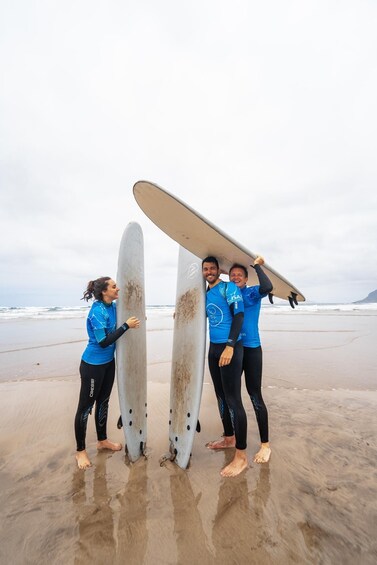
[
  {"x": 220, "y": 317},
  {"x": 101, "y": 322},
  {"x": 252, "y": 304}
]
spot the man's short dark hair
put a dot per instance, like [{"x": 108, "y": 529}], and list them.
[
  {"x": 211, "y": 259},
  {"x": 238, "y": 266}
]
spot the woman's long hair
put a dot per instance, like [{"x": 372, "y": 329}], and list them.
[{"x": 95, "y": 288}]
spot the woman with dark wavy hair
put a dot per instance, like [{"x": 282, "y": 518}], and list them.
[{"x": 97, "y": 368}]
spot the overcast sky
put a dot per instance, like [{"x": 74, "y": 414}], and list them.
[{"x": 260, "y": 115}]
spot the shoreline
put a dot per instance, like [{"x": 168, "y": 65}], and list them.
[{"x": 299, "y": 350}]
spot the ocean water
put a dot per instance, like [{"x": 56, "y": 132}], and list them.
[
  {"x": 334, "y": 343},
  {"x": 162, "y": 312}
]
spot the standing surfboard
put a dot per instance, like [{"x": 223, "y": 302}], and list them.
[
  {"x": 202, "y": 238},
  {"x": 131, "y": 350},
  {"x": 188, "y": 357}
]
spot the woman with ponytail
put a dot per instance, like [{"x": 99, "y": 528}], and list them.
[{"x": 97, "y": 368}]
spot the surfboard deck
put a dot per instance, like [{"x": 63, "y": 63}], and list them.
[
  {"x": 202, "y": 238},
  {"x": 189, "y": 340},
  {"x": 131, "y": 357}
]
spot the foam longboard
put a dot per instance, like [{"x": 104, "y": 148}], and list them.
[
  {"x": 198, "y": 235},
  {"x": 189, "y": 340},
  {"x": 131, "y": 358}
]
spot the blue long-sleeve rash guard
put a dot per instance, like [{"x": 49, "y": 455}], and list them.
[
  {"x": 102, "y": 333},
  {"x": 225, "y": 311},
  {"x": 252, "y": 297}
]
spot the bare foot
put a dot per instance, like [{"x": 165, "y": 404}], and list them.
[
  {"x": 82, "y": 459},
  {"x": 263, "y": 454},
  {"x": 222, "y": 443},
  {"x": 107, "y": 444},
  {"x": 238, "y": 464}
]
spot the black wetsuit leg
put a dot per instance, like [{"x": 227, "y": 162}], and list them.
[
  {"x": 102, "y": 401},
  {"x": 227, "y": 385},
  {"x": 252, "y": 366},
  {"x": 214, "y": 353},
  {"x": 96, "y": 385}
]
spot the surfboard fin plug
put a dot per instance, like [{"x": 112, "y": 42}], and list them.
[
  {"x": 120, "y": 423},
  {"x": 271, "y": 297}
]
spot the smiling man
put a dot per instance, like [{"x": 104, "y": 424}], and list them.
[{"x": 225, "y": 312}]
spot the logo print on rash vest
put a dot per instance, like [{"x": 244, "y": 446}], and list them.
[{"x": 215, "y": 314}]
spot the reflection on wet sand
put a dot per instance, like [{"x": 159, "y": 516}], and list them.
[
  {"x": 109, "y": 531},
  {"x": 96, "y": 543},
  {"x": 261, "y": 493},
  {"x": 239, "y": 532},
  {"x": 132, "y": 527},
  {"x": 192, "y": 544}
]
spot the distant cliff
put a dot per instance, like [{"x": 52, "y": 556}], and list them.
[{"x": 372, "y": 297}]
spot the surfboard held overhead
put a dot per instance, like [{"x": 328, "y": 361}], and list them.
[{"x": 202, "y": 238}]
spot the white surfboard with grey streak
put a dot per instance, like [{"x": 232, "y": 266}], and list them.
[
  {"x": 189, "y": 341},
  {"x": 131, "y": 354}
]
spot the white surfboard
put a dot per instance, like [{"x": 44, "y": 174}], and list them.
[
  {"x": 188, "y": 357},
  {"x": 131, "y": 356},
  {"x": 202, "y": 238}
]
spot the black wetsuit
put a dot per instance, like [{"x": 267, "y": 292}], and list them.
[
  {"x": 224, "y": 308},
  {"x": 96, "y": 386},
  {"x": 252, "y": 351},
  {"x": 97, "y": 377}
]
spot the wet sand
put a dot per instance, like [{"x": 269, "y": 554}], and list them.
[{"x": 314, "y": 502}]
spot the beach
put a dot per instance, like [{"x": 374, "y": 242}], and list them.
[{"x": 314, "y": 502}]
